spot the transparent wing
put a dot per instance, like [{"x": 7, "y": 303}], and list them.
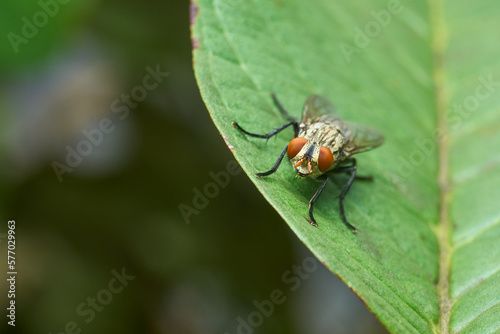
[
  {"x": 360, "y": 138},
  {"x": 317, "y": 106}
]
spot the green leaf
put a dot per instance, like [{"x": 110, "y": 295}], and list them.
[{"x": 426, "y": 258}]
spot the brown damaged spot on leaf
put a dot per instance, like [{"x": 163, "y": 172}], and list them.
[
  {"x": 231, "y": 147},
  {"x": 194, "y": 43},
  {"x": 193, "y": 12},
  {"x": 193, "y": 15}
]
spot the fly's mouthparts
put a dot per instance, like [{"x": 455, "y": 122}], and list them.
[{"x": 301, "y": 161}]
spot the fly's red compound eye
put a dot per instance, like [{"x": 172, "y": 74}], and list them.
[
  {"x": 325, "y": 160},
  {"x": 295, "y": 146}
]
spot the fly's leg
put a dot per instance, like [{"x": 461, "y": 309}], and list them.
[
  {"x": 341, "y": 198},
  {"x": 266, "y": 136},
  {"x": 348, "y": 169},
  {"x": 313, "y": 200},
  {"x": 281, "y": 108},
  {"x": 286, "y": 114},
  {"x": 293, "y": 121},
  {"x": 275, "y": 167}
]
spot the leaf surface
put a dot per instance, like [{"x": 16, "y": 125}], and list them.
[{"x": 426, "y": 257}]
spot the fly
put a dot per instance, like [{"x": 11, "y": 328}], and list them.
[{"x": 322, "y": 145}]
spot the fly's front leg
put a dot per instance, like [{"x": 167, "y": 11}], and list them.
[
  {"x": 341, "y": 198},
  {"x": 346, "y": 169},
  {"x": 275, "y": 167},
  {"x": 313, "y": 200}
]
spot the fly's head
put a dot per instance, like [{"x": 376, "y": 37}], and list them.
[{"x": 308, "y": 158}]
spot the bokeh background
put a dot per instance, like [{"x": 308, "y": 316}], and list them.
[{"x": 118, "y": 209}]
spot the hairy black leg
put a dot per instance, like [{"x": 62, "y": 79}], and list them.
[
  {"x": 346, "y": 188},
  {"x": 313, "y": 200},
  {"x": 286, "y": 114},
  {"x": 266, "y": 136},
  {"x": 275, "y": 167},
  {"x": 281, "y": 108},
  {"x": 293, "y": 121}
]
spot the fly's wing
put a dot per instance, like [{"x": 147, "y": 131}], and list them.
[
  {"x": 317, "y": 106},
  {"x": 359, "y": 138}
]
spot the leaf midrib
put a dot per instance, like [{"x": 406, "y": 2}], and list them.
[{"x": 443, "y": 228}]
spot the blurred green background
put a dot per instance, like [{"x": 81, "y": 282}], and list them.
[{"x": 118, "y": 209}]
